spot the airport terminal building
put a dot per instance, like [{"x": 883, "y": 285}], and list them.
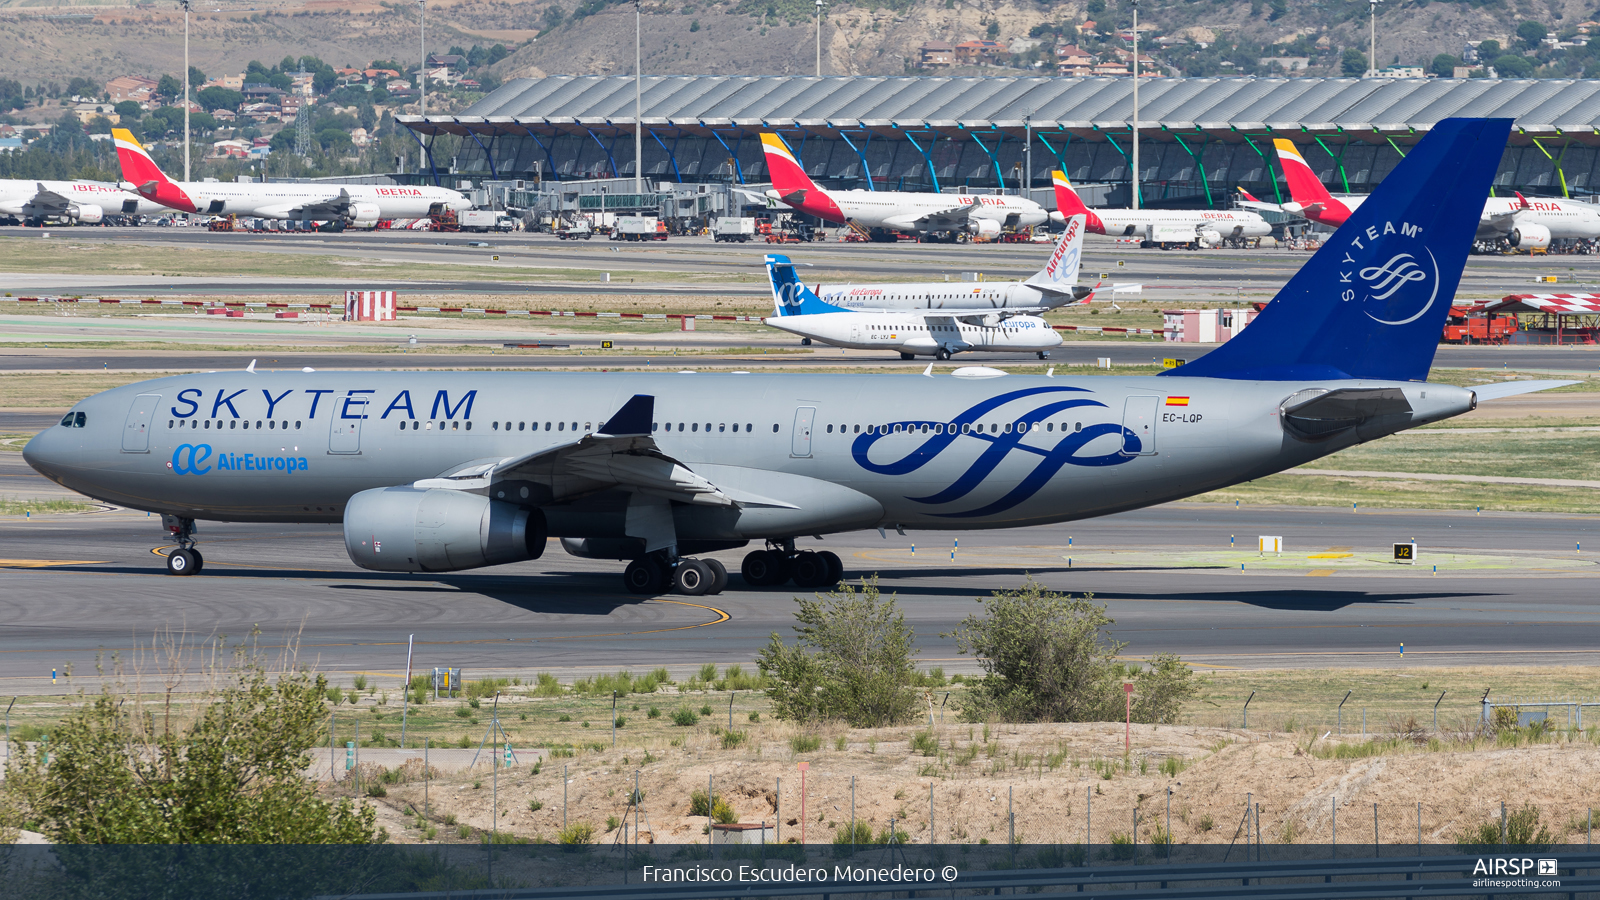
[{"x": 1199, "y": 137}]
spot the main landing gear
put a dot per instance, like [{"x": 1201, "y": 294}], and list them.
[
  {"x": 656, "y": 573},
  {"x": 185, "y": 560},
  {"x": 777, "y": 565}
]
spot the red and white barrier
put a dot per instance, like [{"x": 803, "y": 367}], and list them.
[{"x": 369, "y": 306}]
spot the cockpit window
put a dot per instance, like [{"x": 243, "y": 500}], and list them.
[
  {"x": 74, "y": 419},
  {"x": 67, "y": 420}
]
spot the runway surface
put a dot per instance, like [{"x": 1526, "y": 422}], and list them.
[{"x": 1511, "y": 590}]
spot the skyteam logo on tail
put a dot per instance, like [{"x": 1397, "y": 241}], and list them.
[
  {"x": 1024, "y": 433},
  {"x": 1398, "y": 276}
]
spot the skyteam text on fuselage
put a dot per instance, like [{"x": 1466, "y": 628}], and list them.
[{"x": 442, "y": 471}]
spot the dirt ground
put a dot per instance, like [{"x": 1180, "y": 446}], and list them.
[{"x": 1058, "y": 781}]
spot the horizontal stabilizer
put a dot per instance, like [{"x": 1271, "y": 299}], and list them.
[{"x": 1513, "y": 388}]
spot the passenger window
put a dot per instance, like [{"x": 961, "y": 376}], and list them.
[
  {"x": 858, "y": 429},
  {"x": 497, "y": 426},
  {"x": 748, "y": 427},
  {"x": 522, "y": 426},
  {"x": 695, "y": 427},
  {"x": 1077, "y": 426},
  {"x": 1050, "y": 427},
  {"x": 469, "y": 424},
  {"x": 774, "y": 428},
  {"x": 232, "y": 425},
  {"x": 966, "y": 428},
  {"x": 721, "y": 427},
  {"x": 547, "y": 426},
  {"x": 993, "y": 428},
  {"x": 830, "y": 429},
  {"x": 680, "y": 426},
  {"x": 561, "y": 426},
  {"x": 455, "y": 426},
  {"x": 574, "y": 426}
]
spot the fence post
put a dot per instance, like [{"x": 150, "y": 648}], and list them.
[
  {"x": 777, "y": 813},
  {"x": 1377, "y": 851},
  {"x": 426, "y": 777},
  {"x": 1502, "y": 823},
  {"x": 1334, "y": 826},
  {"x": 930, "y": 813},
  {"x": 1088, "y": 819},
  {"x": 1419, "y": 829},
  {"x": 852, "y": 815},
  {"x": 1247, "y": 710},
  {"x": 1169, "y": 823},
  {"x": 1341, "y": 710},
  {"x": 1436, "y": 710},
  {"x": 563, "y": 798}
]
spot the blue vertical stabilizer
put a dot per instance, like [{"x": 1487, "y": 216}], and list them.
[
  {"x": 1372, "y": 302},
  {"x": 790, "y": 296}
]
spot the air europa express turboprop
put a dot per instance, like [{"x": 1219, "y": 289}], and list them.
[
  {"x": 442, "y": 471},
  {"x": 360, "y": 205}
]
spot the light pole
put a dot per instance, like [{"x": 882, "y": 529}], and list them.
[
  {"x": 422, "y": 50},
  {"x": 638, "y": 109},
  {"x": 1027, "y": 154},
  {"x": 819, "y": 38},
  {"x": 1136, "y": 104},
  {"x": 185, "y": 4},
  {"x": 1372, "y": 39}
]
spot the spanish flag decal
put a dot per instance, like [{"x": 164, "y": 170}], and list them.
[{"x": 1177, "y": 401}]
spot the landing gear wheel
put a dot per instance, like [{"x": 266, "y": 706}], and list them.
[
  {"x": 1044, "y": 354},
  {"x": 644, "y": 576},
  {"x": 941, "y": 354},
  {"x": 835, "y": 566},
  {"x": 810, "y": 569},
  {"x": 199, "y": 561},
  {"x": 908, "y": 356},
  {"x": 183, "y": 562},
  {"x": 719, "y": 576},
  {"x": 691, "y": 577},
  {"x": 765, "y": 568}
]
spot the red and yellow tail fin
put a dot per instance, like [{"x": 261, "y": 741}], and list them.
[
  {"x": 1306, "y": 189},
  {"x": 147, "y": 179},
  {"x": 1070, "y": 204},
  {"x": 791, "y": 183}
]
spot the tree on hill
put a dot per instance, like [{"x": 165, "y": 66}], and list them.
[
  {"x": 1532, "y": 34},
  {"x": 1353, "y": 63}
]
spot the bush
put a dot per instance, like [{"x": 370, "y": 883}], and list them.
[
  {"x": 721, "y": 811},
  {"x": 653, "y": 713},
  {"x": 708, "y": 672},
  {"x": 576, "y": 834},
  {"x": 121, "y": 771},
  {"x": 685, "y": 717},
  {"x": 546, "y": 686},
  {"x": 1046, "y": 660},
  {"x": 852, "y": 661},
  {"x": 926, "y": 743},
  {"x": 622, "y": 722},
  {"x": 1522, "y": 829},
  {"x": 360, "y": 682},
  {"x": 862, "y": 834},
  {"x": 732, "y": 740},
  {"x": 535, "y": 806},
  {"x": 805, "y": 743}
]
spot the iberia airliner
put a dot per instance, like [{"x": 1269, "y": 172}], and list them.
[
  {"x": 1163, "y": 227},
  {"x": 360, "y": 205},
  {"x": 1519, "y": 222},
  {"x": 881, "y": 212}
]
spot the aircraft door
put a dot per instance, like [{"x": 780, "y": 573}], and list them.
[
  {"x": 344, "y": 434},
  {"x": 136, "y": 431},
  {"x": 855, "y": 332},
  {"x": 1139, "y": 426},
  {"x": 800, "y": 445}
]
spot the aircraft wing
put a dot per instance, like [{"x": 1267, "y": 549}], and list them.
[
  {"x": 1261, "y": 205},
  {"x": 326, "y": 208},
  {"x": 622, "y": 454},
  {"x": 48, "y": 202},
  {"x": 944, "y": 219}
]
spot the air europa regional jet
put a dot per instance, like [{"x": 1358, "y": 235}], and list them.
[
  {"x": 360, "y": 205},
  {"x": 442, "y": 471}
]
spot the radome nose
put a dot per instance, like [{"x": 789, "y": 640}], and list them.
[{"x": 37, "y": 453}]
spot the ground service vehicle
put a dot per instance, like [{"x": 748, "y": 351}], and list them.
[{"x": 733, "y": 228}]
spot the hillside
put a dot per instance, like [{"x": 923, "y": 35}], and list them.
[{"x": 737, "y": 36}]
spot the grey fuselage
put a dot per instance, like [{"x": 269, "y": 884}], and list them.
[{"x": 959, "y": 460}]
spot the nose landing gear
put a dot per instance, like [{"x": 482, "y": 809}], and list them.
[{"x": 185, "y": 560}]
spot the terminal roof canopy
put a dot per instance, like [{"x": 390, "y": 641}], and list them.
[{"x": 700, "y": 104}]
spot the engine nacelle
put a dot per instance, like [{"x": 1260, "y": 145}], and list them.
[
  {"x": 1208, "y": 238},
  {"x": 86, "y": 214},
  {"x": 402, "y": 529},
  {"x": 983, "y": 227},
  {"x": 1530, "y": 235},
  {"x": 362, "y": 215}
]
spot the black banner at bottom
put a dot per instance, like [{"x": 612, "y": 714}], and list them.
[{"x": 496, "y": 871}]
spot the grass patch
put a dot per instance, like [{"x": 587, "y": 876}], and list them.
[
  {"x": 10, "y": 507},
  {"x": 1400, "y": 493}
]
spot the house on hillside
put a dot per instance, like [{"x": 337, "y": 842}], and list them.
[
  {"x": 937, "y": 54},
  {"x": 131, "y": 87},
  {"x": 970, "y": 53},
  {"x": 1073, "y": 60}
]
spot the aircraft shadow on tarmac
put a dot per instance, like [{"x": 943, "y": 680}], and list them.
[{"x": 1299, "y": 601}]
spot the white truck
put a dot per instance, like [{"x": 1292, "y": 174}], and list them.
[
  {"x": 639, "y": 228},
  {"x": 481, "y": 220},
  {"x": 733, "y": 228}
]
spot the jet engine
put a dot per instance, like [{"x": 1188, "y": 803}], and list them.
[
  {"x": 988, "y": 228},
  {"x": 86, "y": 214},
  {"x": 403, "y": 529},
  {"x": 1208, "y": 238},
  {"x": 1530, "y": 235},
  {"x": 362, "y": 215}
]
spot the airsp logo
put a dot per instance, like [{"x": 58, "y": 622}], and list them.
[{"x": 1397, "y": 284}]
